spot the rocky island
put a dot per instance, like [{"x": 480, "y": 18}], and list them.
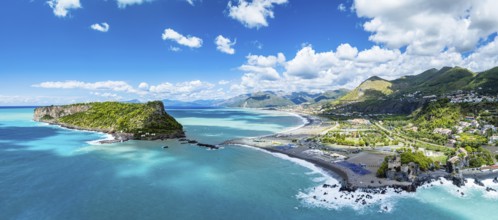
[{"x": 125, "y": 121}]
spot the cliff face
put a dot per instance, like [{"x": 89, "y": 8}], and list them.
[
  {"x": 147, "y": 121},
  {"x": 51, "y": 113}
]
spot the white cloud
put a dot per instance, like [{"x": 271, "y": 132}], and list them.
[
  {"x": 118, "y": 86},
  {"x": 108, "y": 96},
  {"x": 225, "y": 45},
  {"x": 102, "y": 27},
  {"x": 257, "y": 44},
  {"x": 253, "y": 14},
  {"x": 427, "y": 27},
  {"x": 175, "y": 49},
  {"x": 181, "y": 88},
  {"x": 189, "y": 41},
  {"x": 485, "y": 57},
  {"x": 308, "y": 64},
  {"x": 143, "y": 86},
  {"x": 191, "y": 2},
  {"x": 377, "y": 55},
  {"x": 61, "y": 7},
  {"x": 124, "y": 3},
  {"x": 262, "y": 68},
  {"x": 223, "y": 82},
  {"x": 346, "y": 51},
  {"x": 341, "y": 7}
]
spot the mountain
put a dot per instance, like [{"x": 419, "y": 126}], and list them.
[
  {"x": 268, "y": 99},
  {"x": 404, "y": 95},
  {"x": 132, "y": 101},
  {"x": 371, "y": 89},
  {"x": 197, "y": 103},
  {"x": 265, "y": 99}
]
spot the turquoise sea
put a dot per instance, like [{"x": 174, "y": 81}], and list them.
[{"x": 47, "y": 172}]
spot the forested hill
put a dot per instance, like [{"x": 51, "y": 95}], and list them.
[{"x": 140, "y": 121}]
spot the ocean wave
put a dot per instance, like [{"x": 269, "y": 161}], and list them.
[
  {"x": 106, "y": 137},
  {"x": 328, "y": 195}
]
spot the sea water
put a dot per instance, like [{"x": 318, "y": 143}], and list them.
[{"x": 48, "y": 172}]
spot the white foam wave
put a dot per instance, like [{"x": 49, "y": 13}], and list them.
[
  {"x": 331, "y": 198},
  {"x": 107, "y": 137},
  {"x": 328, "y": 195}
]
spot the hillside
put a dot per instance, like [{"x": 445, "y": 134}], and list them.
[
  {"x": 371, "y": 89},
  {"x": 137, "y": 121},
  {"x": 268, "y": 99},
  {"x": 404, "y": 95}
]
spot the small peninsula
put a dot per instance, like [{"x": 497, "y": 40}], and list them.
[{"x": 125, "y": 121}]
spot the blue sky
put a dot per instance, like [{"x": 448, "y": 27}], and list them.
[{"x": 50, "y": 54}]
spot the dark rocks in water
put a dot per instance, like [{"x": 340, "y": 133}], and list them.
[
  {"x": 210, "y": 146},
  {"x": 489, "y": 189},
  {"x": 164, "y": 147},
  {"x": 495, "y": 180},
  {"x": 478, "y": 182},
  {"x": 462, "y": 193},
  {"x": 182, "y": 139},
  {"x": 192, "y": 141},
  {"x": 457, "y": 181}
]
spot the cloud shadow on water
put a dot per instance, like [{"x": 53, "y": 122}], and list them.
[{"x": 14, "y": 133}]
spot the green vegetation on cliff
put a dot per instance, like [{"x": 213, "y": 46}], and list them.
[{"x": 133, "y": 118}]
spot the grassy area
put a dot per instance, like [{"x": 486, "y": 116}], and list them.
[{"x": 124, "y": 117}]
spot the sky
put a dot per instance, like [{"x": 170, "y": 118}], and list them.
[{"x": 66, "y": 51}]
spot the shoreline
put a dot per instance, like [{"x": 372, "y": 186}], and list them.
[{"x": 295, "y": 143}]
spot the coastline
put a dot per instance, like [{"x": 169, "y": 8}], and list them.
[{"x": 295, "y": 143}]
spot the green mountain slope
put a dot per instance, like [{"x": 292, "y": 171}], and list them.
[
  {"x": 404, "y": 95},
  {"x": 371, "y": 89}
]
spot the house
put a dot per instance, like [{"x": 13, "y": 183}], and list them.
[
  {"x": 470, "y": 118},
  {"x": 457, "y": 162},
  {"x": 401, "y": 172},
  {"x": 486, "y": 127},
  {"x": 474, "y": 123},
  {"x": 464, "y": 124},
  {"x": 493, "y": 139},
  {"x": 443, "y": 131},
  {"x": 429, "y": 97}
]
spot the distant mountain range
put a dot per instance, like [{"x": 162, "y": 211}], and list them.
[
  {"x": 374, "y": 95},
  {"x": 404, "y": 95},
  {"x": 268, "y": 99}
]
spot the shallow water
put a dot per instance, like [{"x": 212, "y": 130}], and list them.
[{"x": 49, "y": 172}]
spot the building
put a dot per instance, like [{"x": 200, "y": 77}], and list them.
[
  {"x": 443, "y": 131},
  {"x": 493, "y": 139},
  {"x": 457, "y": 162},
  {"x": 401, "y": 172}
]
